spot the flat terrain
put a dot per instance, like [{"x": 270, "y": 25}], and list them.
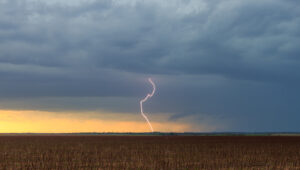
[{"x": 149, "y": 152}]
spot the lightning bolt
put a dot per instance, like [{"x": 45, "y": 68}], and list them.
[{"x": 145, "y": 99}]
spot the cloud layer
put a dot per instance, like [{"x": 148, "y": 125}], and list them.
[{"x": 236, "y": 60}]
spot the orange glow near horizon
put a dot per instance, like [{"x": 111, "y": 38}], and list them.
[{"x": 15, "y": 121}]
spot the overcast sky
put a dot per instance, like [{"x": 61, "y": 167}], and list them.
[{"x": 233, "y": 62}]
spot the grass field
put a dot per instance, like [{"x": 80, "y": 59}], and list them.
[{"x": 149, "y": 152}]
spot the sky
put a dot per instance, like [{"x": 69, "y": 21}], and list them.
[{"x": 83, "y": 65}]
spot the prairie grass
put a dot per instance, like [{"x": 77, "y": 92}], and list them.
[{"x": 149, "y": 152}]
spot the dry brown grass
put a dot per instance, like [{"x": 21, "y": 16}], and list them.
[{"x": 149, "y": 152}]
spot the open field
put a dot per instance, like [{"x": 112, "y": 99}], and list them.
[{"x": 149, "y": 152}]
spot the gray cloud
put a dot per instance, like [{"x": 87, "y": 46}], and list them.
[{"x": 235, "y": 59}]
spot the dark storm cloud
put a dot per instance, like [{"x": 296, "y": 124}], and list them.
[
  {"x": 236, "y": 59},
  {"x": 235, "y": 39}
]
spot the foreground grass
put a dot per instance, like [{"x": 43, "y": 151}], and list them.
[{"x": 149, "y": 152}]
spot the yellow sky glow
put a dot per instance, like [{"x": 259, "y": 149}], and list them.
[{"x": 16, "y": 121}]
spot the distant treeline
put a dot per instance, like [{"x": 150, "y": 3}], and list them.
[{"x": 165, "y": 134}]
